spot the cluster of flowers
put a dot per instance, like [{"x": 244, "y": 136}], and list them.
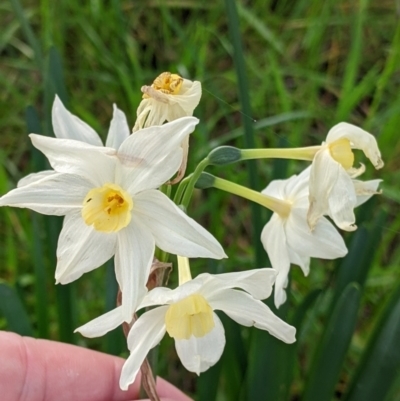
[{"x": 114, "y": 204}]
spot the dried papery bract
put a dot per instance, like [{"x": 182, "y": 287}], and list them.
[{"x": 169, "y": 97}]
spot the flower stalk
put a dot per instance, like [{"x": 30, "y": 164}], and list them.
[
  {"x": 306, "y": 153},
  {"x": 184, "y": 270},
  {"x": 276, "y": 205}
]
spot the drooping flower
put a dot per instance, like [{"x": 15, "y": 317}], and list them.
[
  {"x": 332, "y": 191},
  {"x": 187, "y": 314},
  {"x": 287, "y": 237},
  {"x": 111, "y": 204},
  {"x": 169, "y": 97}
]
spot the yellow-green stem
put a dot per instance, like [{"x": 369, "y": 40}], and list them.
[
  {"x": 184, "y": 269},
  {"x": 307, "y": 153},
  {"x": 276, "y": 205}
]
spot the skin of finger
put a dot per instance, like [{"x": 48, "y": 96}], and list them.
[
  {"x": 42, "y": 370},
  {"x": 168, "y": 392}
]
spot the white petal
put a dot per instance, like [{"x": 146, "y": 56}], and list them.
[
  {"x": 184, "y": 104},
  {"x": 365, "y": 189},
  {"x": 103, "y": 324},
  {"x": 248, "y": 311},
  {"x": 68, "y": 126},
  {"x": 153, "y": 155},
  {"x": 258, "y": 282},
  {"x": 33, "y": 177},
  {"x": 161, "y": 295},
  {"x": 173, "y": 230},
  {"x": 142, "y": 112},
  {"x": 342, "y": 201},
  {"x": 359, "y": 139},
  {"x": 157, "y": 296},
  {"x": 144, "y": 335},
  {"x": 95, "y": 163},
  {"x": 274, "y": 240},
  {"x": 300, "y": 260},
  {"x": 323, "y": 176},
  {"x": 297, "y": 185},
  {"x": 54, "y": 194},
  {"x": 119, "y": 129},
  {"x": 199, "y": 354},
  {"x": 323, "y": 242},
  {"x": 81, "y": 248},
  {"x": 150, "y": 113},
  {"x": 133, "y": 259},
  {"x": 275, "y": 189}
]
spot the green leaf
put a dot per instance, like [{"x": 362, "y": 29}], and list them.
[
  {"x": 358, "y": 261},
  {"x": 380, "y": 365},
  {"x": 332, "y": 350},
  {"x": 14, "y": 311}
]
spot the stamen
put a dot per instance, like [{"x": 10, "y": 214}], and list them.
[
  {"x": 167, "y": 83},
  {"x": 107, "y": 208}
]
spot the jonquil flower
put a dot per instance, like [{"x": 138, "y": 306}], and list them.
[
  {"x": 111, "y": 204},
  {"x": 287, "y": 237},
  {"x": 168, "y": 98},
  {"x": 332, "y": 191},
  {"x": 68, "y": 126},
  {"x": 187, "y": 314}
]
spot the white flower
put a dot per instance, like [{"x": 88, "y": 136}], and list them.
[
  {"x": 288, "y": 239},
  {"x": 331, "y": 188},
  {"x": 187, "y": 314},
  {"x": 111, "y": 204},
  {"x": 168, "y": 98},
  {"x": 68, "y": 126}
]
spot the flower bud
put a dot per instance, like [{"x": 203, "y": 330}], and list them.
[
  {"x": 224, "y": 155},
  {"x": 205, "y": 180}
]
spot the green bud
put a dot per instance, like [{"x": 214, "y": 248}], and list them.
[
  {"x": 224, "y": 155},
  {"x": 205, "y": 181}
]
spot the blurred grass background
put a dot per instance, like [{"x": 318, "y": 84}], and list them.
[{"x": 282, "y": 75}]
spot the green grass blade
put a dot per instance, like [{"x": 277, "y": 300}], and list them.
[
  {"x": 333, "y": 347},
  {"x": 234, "y": 358},
  {"x": 268, "y": 358},
  {"x": 380, "y": 365},
  {"x": 114, "y": 341},
  {"x": 293, "y": 349},
  {"x": 57, "y": 75},
  {"x": 260, "y": 27},
  {"x": 28, "y": 32},
  {"x": 243, "y": 92},
  {"x": 14, "y": 311},
  {"x": 38, "y": 259},
  {"x": 353, "y": 59},
  {"x": 357, "y": 263},
  {"x": 207, "y": 383}
]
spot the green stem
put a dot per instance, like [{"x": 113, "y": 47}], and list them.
[
  {"x": 181, "y": 189},
  {"x": 276, "y": 205},
  {"x": 192, "y": 181},
  {"x": 307, "y": 153}
]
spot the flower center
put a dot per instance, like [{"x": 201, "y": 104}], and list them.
[
  {"x": 190, "y": 316},
  {"x": 342, "y": 153},
  {"x": 168, "y": 83},
  {"x": 108, "y": 208}
]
